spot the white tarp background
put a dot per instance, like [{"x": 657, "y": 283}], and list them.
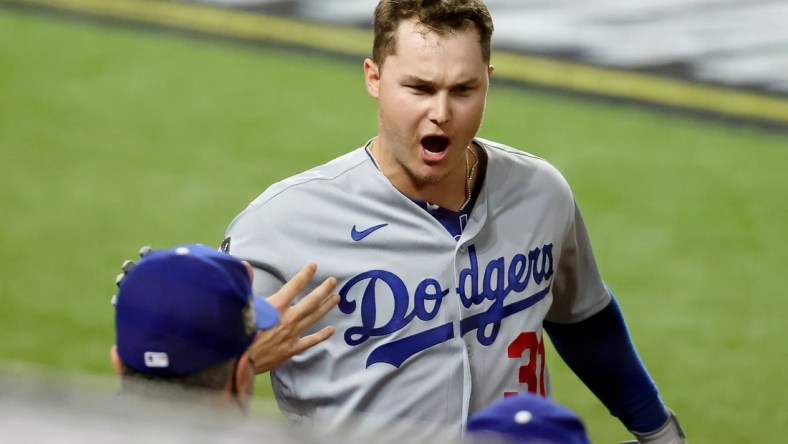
[{"x": 739, "y": 43}]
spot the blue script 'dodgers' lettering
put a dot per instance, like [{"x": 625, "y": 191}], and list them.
[
  {"x": 428, "y": 290},
  {"x": 498, "y": 281}
]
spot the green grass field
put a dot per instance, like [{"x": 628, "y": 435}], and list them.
[{"x": 112, "y": 138}]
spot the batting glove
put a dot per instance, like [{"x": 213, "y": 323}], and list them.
[
  {"x": 126, "y": 268},
  {"x": 669, "y": 433}
]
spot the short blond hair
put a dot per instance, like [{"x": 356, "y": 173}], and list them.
[{"x": 441, "y": 16}]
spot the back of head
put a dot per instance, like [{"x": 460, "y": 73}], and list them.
[
  {"x": 441, "y": 16},
  {"x": 526, "y": 419},
  {"x": 183, "y": 316}
]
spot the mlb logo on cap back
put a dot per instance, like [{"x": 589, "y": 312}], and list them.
[
  {"x": 185, "y": 309},
  {"x": 153, "y": 359}
]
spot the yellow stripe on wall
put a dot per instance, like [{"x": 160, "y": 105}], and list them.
[
  {"x": 638, "y": 86},
  {"x": 530, "y": 69},
  {"x": 222, "y": 22}
]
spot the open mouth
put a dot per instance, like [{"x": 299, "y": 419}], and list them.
[{"x": 435, "y": 144}]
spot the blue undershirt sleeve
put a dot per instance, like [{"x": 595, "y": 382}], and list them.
[{"x": 600, "y": 352}]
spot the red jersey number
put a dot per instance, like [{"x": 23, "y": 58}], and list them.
[{"x": 527, "y": 345}]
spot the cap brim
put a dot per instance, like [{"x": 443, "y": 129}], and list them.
[{"x": 267, "y": 315}]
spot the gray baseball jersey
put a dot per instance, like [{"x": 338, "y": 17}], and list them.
[{"x": 428, "y": 328}]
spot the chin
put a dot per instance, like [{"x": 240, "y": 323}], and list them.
[{"x": 428, "y": 177}]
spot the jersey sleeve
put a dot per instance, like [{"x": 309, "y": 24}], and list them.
[
  {"x": 578, "y": 290},
  {"x": 250, "y": 238},
  {"x": 599, "y": 350},
  {"x": 588, "y": 331}
]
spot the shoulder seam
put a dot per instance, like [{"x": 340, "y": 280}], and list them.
[{"x": 306, "y": 181}]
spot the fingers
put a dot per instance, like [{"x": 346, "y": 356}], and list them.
[
  {"x": 315, "y": 299},
  {"x": 285, "y": 296},
  {"x": 273, "y": 347},
  {"x": 306, "y": 316},
  {"x": 126, "y": 268},
  {"x": 314, "y": 339},
  {"x": 278, "y": 344},
  {"x": 129, "y": 265}
]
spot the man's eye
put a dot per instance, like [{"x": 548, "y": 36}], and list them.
[{"x": 424, "y": 89}]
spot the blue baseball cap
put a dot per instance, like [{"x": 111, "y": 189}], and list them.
[
  {"x": 528, "y": 418},
  {"x": 185, "y": 309}
]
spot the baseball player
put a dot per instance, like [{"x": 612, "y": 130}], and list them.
[
  {"x": 526, "y": 419},
  {"x": 452, "y": 253},
  {"x": 185, "y": 320},
  {"x": 273, "y": 346}
]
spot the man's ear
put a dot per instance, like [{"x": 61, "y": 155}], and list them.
[
  {"x": 115, "y": 360},
  {"x": 249, "y": 270},
  {"x": 244, "y": 377},
  {"x": 490, "y": 70},
  {"x": 372, "y": 77}
]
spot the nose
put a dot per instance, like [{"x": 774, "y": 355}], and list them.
[{"x": 440, "y": 111}]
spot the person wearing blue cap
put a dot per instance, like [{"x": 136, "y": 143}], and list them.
[
  {"x": 186, "y": 318},
  {"x": 526, "y": 419}
]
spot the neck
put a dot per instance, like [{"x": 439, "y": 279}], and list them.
[
  {"x": 452, "y": 192},
  {"x": 185, "y": 401}
]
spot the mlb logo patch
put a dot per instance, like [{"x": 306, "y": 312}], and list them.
[{"x": 156, "y": 359}]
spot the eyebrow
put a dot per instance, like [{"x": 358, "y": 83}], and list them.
[{"x": 418, "y": 80}]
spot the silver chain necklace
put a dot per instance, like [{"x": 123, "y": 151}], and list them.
[{"x": 470, "y": 170}]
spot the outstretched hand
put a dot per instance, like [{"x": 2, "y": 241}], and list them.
[
  {"x": 126, "y": 268},
  {"x": 276, "y": 345},
  {"x": 281, "y": 342}
]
